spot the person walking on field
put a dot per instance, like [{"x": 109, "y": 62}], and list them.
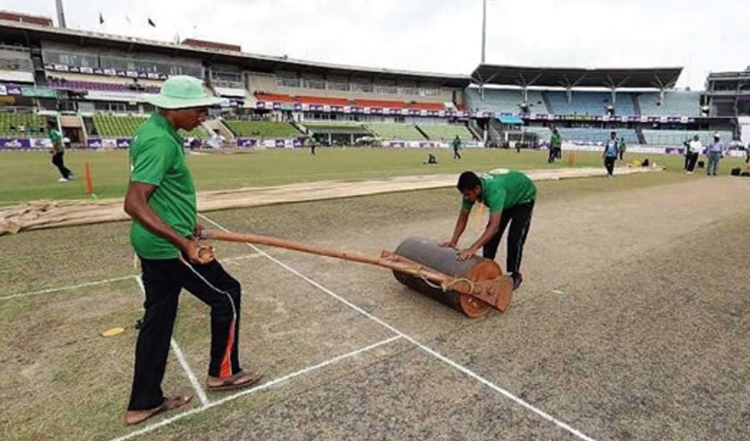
[
  {"x": 555, "y": 147},
  {"x": 715, "y": 152},
  {"x": 456, "y": 147},
  {"x": 621, "y": 148},
  {"x": 161, "y": 200},
  {"x": 693, "y": 150},
  {"x": 610, "y": 154},
  {"x": 58, "y": 151},
  {"x": 510, "y": 197}
]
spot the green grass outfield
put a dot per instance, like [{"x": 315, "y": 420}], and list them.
[{"x": 31, "y": 176}]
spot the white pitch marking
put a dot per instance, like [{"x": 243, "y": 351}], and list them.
[
  {"x": 65, "y": 288},
  {"x": 445, "y": 359},
  {"x": 259, "y": 388},
  {"x": 183, "y": 362}
]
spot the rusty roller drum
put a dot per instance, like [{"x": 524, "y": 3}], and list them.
[{"x": 428, "y": 253}]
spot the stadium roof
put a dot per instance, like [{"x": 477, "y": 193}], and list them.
[
  {"x": 661, "y": 78},
  {"x": 27, "y": 33}
]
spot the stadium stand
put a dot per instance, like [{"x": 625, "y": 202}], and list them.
[
  {"x": 678, "y": 137},
  {"x": 112, "y": 126},
  {"x": 543, "y": 133},
  {"x": 16, "y": 64},
  {"x": 446, "y": 132},
  {"x": 262, "y": 129},
  {"x": 57, "y": 83},
  {"x": 11, "y": 125},
  {"x": 336, "y": 127},
  {"x": 396, "y": 132},
  {"x": 675, "y": 104},
  {"x": 505, "y": 100},
  {"x": 591, "y": 135},
  {"x": 589, "y": 103}
]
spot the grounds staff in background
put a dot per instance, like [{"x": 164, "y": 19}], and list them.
[
  {"x": 162, "y": 202},
  {"x": 58, "y": 151},
  {"x": 610, "y": 154},
  {"x": 510, "y": 197},
  {"x": 714, "y": 152},
  {"x": 693, "y": 149}
]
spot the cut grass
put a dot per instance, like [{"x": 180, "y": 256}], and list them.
[{"x": 30, "y": 176}]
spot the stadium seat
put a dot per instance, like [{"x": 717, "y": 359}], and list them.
[
  {"x": 262, "y": 129},
  {"x": 112, "y": 126},
  {"x": 396, "y": 132},
  {"x": 504, "y": 100},
  {"x": 34, "y": 126},
  {"x": 675, "y": 104},
  {"x": 589, "y": 103},
  {"x": 447, "y": 132}
]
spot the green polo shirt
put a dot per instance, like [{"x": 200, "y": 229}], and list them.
[
  {"x": 504, "y": 190},
  {"x": 555, "y": 141},
  {"x": 56, "y": 138},
  {"x": 157, "y": 158}
]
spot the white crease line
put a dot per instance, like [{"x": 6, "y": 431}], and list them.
[
  {"x": 115, "y": 279},
  {"x": 189, "y": 372},
  {"x": 452, "y": 363},
  {"x": 238, "y": 258},
  {"x": 259, "y": 388},
  {"x": 183, "y": 361},
  {"x": 64, "y": 288}
]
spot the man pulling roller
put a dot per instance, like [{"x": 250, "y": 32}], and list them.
[{"x": 510, "y": 197}]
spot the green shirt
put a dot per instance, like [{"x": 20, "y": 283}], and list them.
[
  {"x": 157, "y": 158},
  {"x": 504, "y": 190},
  {"x": 555, "y": 141},
  {"x": 56, "y": 138}
]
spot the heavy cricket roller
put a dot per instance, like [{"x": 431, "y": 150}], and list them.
[{"x": 474, "y": 286}]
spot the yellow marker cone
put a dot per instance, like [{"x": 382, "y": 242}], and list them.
[{"x": 113, "y": 332}]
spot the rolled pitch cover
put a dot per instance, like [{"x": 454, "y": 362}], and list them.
[{"x": 428, "y": 253}]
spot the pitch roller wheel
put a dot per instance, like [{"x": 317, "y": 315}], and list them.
[{"x": 428, "y": 253}]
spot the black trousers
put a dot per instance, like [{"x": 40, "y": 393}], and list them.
[
  {"x": 57, "y": 161},
  {"x": 609, "y": 164},
  {"x": 519, "y": 218},
  {"x": 552, "y": 155},
  {"x": 163, "y": 281},
  {"x": 621, "y": 153},
  {"x": 456, "y": 155},
  {"x": 692, "y": 159}
]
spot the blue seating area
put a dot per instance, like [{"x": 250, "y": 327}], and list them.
[
  {"x": 589, "y": 103},
  {"x": 675, "y": 104},
  {"x": 504, "y": 100},
  {"x": 595, "y": 135}
]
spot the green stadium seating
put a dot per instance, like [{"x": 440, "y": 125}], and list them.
[
  {"x": 262, "y": 129},
  {"x": 396, "y": 132},
  {"x": 34, "y": 125},
  {"x": 111, "y": 126},
  {"x": 446, "y": 132}
]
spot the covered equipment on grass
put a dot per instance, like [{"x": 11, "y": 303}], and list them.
[{"x": 473, "y": 287}]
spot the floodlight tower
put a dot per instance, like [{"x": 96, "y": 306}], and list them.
[
  {"x": 60, "y": 13},
  {"x": 484, "y": 27}
]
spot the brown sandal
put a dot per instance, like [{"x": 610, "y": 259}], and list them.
[
  {"x": 139, "y": 416},
  {"x": 237, "y": 381}
]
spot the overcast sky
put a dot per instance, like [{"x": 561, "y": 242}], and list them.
[{"x": 444, "y": 35}]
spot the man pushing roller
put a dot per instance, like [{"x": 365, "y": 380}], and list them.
[
  {"x": 510, "y": 197},
  {"x": 161, "y": 200}
]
